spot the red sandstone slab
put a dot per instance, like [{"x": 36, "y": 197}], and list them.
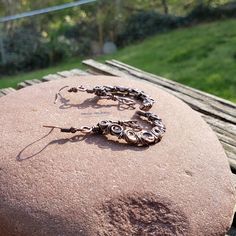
[{"x": 62, "y": 184}]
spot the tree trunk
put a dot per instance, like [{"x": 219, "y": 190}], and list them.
[
  {"x": 165, "y": 6},
  {"x": 2, "y": 51},
  {"x": 199, "y": 2},
  {"x": 100, "y": 35}
]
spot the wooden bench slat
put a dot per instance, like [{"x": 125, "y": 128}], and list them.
[
  {"x": 79, "y": 72},
  {"x": 221, "y": 127},
  {"x": 6, "y": 91},
  {"x": 221, "y": 106},
  {"x": 101, "y": 68},
  {"x": 219, "y": 113},
  {"x": 204, "y": 107},
  {"x": 65, "y": 73},
  {"x": 92, "y": 72},
  {"x": 21, "y": 85},
  {"x": 32, "y": 82},
  {"x": 197, "y": 104},
  {"x": 225, "y": 102},
  {"x": 51, "y": 77}
]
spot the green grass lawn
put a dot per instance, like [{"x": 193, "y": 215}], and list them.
[
  {"x": 12, "y": 81},
  {"x": 203, "y": 57}
]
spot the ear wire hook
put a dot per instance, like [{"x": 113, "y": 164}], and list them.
[
  {"x": 59, "y": 93},
  {"x": 83, "y": 129},
  {"x": 73, "y": 89},
  {"x": 51, "y": 127},
  {"x": 65, "y": 130}
]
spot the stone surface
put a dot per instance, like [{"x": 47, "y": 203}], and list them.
[{"x": 54, "y": 183}]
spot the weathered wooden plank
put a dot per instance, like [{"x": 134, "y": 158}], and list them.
[
  {"x": 226, "y": 134},
  {"x": 214, "y": 100},
  {"x": 229, "y": 148},
  {"x": 5, "y": 91},
  {"x": 74, "y": 72},
  {"x": 221, "y": 107},
  {"x": 221, "y": 126},
  {"x": 32, "y": 82},
  {"x": 201, "y": 105},
  {"x": 92, "y": 72},
  {"x": 8, "y": 90},
  {"x": 102, "y": 68},
  {"x": 51, "y": 77},
  {"x": 11, "y": 89},
  {"x": 225, "y": 131},
  {"x": 218, "y": 113},
  {"x": 65, "y": 73},
  {"x": 27, "y": 83},
  {"x": 229, "y": 141},
  {"x": 119, "y": 64},
  {"x": 79, "y": 72},
  {"x": 21, "y": 85},
  {"x": 204, "y": 107}
]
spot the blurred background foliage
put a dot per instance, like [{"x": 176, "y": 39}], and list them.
[{"x": 46, "y": 40}]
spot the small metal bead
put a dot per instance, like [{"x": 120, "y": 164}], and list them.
[
  {"x": 158, "y": 133},
  {"x": 104, "y": 124},
  {"x": 154, "y": 117},
  {"x": 97, "y": 130},
  {"x": 116, "y": 129},
  {"x": 141, "y": 113},
  {"x": 145, "y": 107},
  {"x": 121, "y": 89},
  {"x": 159, "y": 124},
  {"x": 147, "y": 138},
  {"x": 130, "y": 137},
  {"x": 70, "y": 130},
  {"x": 73, "y": 90},
  {"x": 90, "y": 90}
]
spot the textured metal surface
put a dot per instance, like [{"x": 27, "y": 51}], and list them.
[{"x": 130, "y": 130}]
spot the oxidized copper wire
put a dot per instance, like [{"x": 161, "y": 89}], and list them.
[{"x": 128, "y": 130}]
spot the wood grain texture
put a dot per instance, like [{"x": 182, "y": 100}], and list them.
[
  {"x": 219, "y": 113},
  {"x": 6, "y": 91}
]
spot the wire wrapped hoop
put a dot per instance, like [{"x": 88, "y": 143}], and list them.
[{"x": 130, "y": 130}]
